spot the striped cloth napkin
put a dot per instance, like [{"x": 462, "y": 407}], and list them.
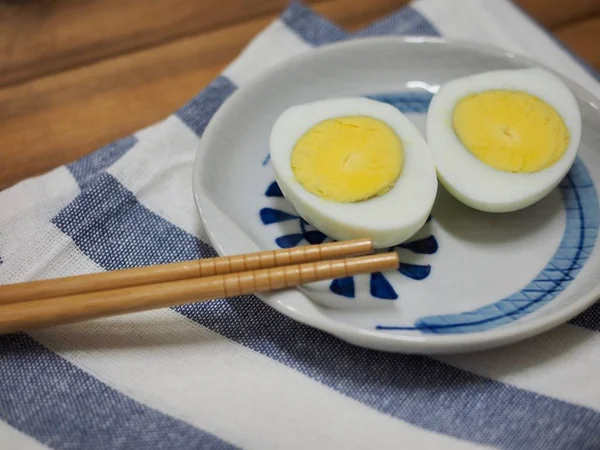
[{"x": 235, "y": 373}]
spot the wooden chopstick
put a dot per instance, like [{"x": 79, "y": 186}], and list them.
[
  {"x": 60, "y": 287},
  {"x": 61, "y": 310}
]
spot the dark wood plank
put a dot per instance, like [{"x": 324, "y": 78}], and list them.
[
  {"x": 557, "y": 13},
  {"x": 583, "y": 38},
  {"x": 41, "y": 37},
  {"x": 55, "y": 119},
  {"x": 97, "y": 89}
]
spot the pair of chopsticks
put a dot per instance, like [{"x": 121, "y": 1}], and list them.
[{"x": 37, "y": 304}]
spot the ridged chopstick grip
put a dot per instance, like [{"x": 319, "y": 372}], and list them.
[
  {"x": 36, "y": 290},
  {"x": 61, "y": 310}
]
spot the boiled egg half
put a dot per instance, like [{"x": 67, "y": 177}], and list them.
[
  {"x": 354, "y": 168},
  {"x": 503, "y": 140}
]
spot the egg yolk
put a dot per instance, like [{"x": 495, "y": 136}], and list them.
[
  {"x": 348, "y": 159},
  {"x": 511, "y": 131}
]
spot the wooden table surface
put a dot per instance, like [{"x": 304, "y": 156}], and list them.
[{"x": 76, "y": 75}]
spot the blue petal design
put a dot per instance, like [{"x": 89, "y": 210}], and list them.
[
  {"x": 380, "y": 287},
  {"x": 343, "y": 286},
  {"x": 270, "y": 215},
  {"x": 273, "y": 190},
  {"x": 426, "y": 246},
  {"x": 266, "y": 160},
  {"x": 289, "y": 240},
  {"x": 314, "y": 237},
  {"x": 414, "y": 271}
]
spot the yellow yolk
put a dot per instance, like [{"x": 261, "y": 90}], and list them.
[
  {"x": 348, "y": 159},
  {"x": 510, "y": 130}
]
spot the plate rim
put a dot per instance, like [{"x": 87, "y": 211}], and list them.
[{"x": 378, "y": 339}]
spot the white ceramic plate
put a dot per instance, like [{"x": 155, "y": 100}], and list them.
[{"x": 468, "y": 280}]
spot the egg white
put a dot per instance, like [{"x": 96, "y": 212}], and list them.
[
  {"x": 475, "y": 183},
  {"x": 388, "y": 219}
]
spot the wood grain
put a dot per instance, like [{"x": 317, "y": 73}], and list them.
[
  {"x": 78, "y": 75},
  {"x": 559, "y": 13},
  {"x": 577, "y": 36},
  {"x": 57, "y": 118},
  {"x": 41, "y": 37}
]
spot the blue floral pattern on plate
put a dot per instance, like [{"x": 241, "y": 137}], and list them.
[{"x": 379, "y": 286}]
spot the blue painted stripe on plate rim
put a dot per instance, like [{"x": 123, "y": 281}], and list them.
[{"x": 577, "y": 182}]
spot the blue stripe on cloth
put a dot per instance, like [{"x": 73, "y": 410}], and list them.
[
  {"x": 60, "y": 405},
  {"x": 406, "y": 21},
  {"x": 317, "y": 31},
  {"x": 107, "y": 220},
  {"x": 418, "y": 390},
  {"x": 87, "y": 168},
  {"x": 310, "y": 26},
  {"x": 197, "y": 113}
]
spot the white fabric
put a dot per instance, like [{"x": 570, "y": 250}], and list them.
[
  {"x": 557, "y": 364},
  {"x": 13, "y": 439},
  {"x": 270, "y": 47},
  {"x": 173, "y": 365},
  {"x": 165, "y": 149}
]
